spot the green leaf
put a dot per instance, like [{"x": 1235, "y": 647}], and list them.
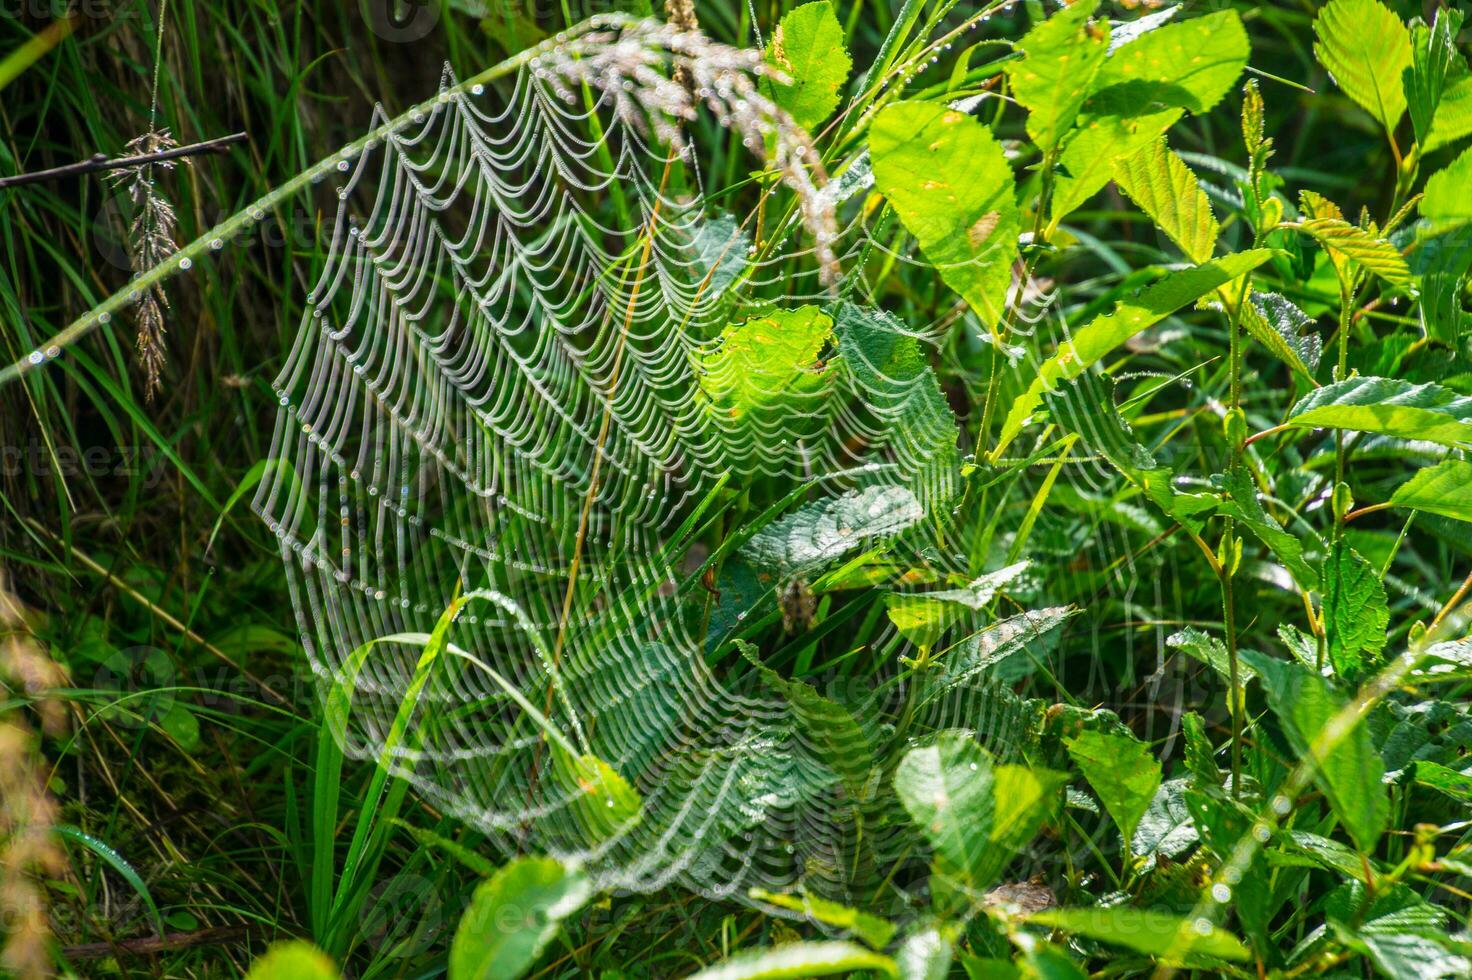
[
  {"x": 1389, "y": 407},
  {"x": 808, "y": 48},
  {"x": 1025, "y": 799},
  {"x": 792, "y": 961},
  {"x": 766, "y": 381},
  {"x": 1350, "y": 247},
  {"x": 1129, "y": 318},
  {"x": 118, "y": 863},
  {"x": 1060, "y": 58},
  {"x": 1402, "y": 934},
  {"x": 1207, "y": 649},
  {"x": 1347, "y": 767},
  {"x": 604, "y": 804},
  {"x": 1355, "y": 612},
  {"x": 512, "y": 917},
  {"x": 1200, "y": 753},
  {"x": 1446, "y": 202},
  {"x": 871, "y": 929},
  {"x": 991, "y": 646},
  {"x": 1140, "y": 92},
  {"x": 1166, "y": 830},
  {"x": 1171, "y": 938},
  {"x": 1453, "y": 119},
  {"x": 1444, "y": 489},
  {"x": 1433, "y": 57},
  {"x": 888, "y": 364},
  {"x": 1443, "y": 779},
  {"x": 1443, "y": 262},
  {"x": 1242, "y": 503},
  {"x": 295, "y": 959},
  {"x": 1123, "y": 773},
  {"x": 947, "y": 789},
  {"x": 922, "y": 617},
  {"x": 821, "y": 531},
  {"x": 948, "y": 180},
  {"x": 1283, "y": 329},
  {"x": 1366, "y": 48},
  {"x": 1161, "y": 185}
]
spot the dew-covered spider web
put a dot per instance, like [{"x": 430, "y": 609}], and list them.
[{"x": 537, "y": 365}]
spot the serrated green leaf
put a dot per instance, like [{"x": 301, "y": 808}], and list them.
[
  {"x": 1283, "y": 329},
  {"x": 871, "y": 929},
  {"x": 992, "y": 646},
  {"x": 1170, "y": 938},
  {"x": 1443, "y": 779},
  {"x": 512, "y": 917},
  {"x": 1026, "y": 798},
  {"x": 1166, "y": 829},
  {"x": 1366, "y": 48},
  {"x": 1060, "y": 58},
  {"x": 948, "y": 790},
  {"x": 1207, "y": 649},
  {"x": 1390, "y": 407},
  {"x": 949, "y": 182},
  {"x": 1140, "y": 92},
  {"x": 1433, "y": 56},
  {"x": 1453, "y": 119},
  {"x": 295, "y": 959},
  {"x": 1444, "y": 489},
  {"x": 1123, "y": 773},
  {"x": 1446, "y": 202},
  {"x": 1403, "y": 934},
  {"x": 819, "y": 532},
  {"x": 1350, "y": 247},
  {"x": 1200, "y": 754},
  {"x": 1161, "y": 185},
  {"x": 792, "y": 961},
  {"x": 1355, "y": 612},
  {"x": 829, "y": 730},
  {"x": 1346, "y": 766},
  {"x": 1129, "y": 318},
  {"x": 808, "y": 48},
  {"x": 1443, "y": 261},
  {"x": 1242, "y": 503}
]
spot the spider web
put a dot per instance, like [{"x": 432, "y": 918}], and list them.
[{"x": 500, "y": 390}]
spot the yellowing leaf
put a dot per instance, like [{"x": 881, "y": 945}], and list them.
[
  {"x": 808, "y": 48},
  {"x": 948, "y": 180},
  {"x": 1350, "y": 246},
  {"x": 1060, "y": 57}
]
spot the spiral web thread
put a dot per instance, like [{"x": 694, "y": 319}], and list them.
[{"x": 499, "y": 390}]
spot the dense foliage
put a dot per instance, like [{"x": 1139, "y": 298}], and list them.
[{"x": 1160, "y": 663}]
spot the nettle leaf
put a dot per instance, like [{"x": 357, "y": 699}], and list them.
[
  {"x": 1366, "y": 48},
  {"x": 1060, "y": 58},
  {"x": 1209, "y": 650},
  {"x": 1243, "y": 504},
  {"x": 1350, "y": 247},
  {"x": 1161, "y": 185},
  {"x": 799, "y": 959},
  {"x": 1355, "y": 611},
  {"x": 1347, "y": 767},
  {"x": 1166, "y": 829},
  {"x": 948, "y": 790},
  {"x": 1140, "y": 92},
  {"x": 1433, "y": 57},
  {"x": 512, "y": 917},
  {"x": 1402, "y": 934},
  {"x": 992, "y": 646},
  {"x": 949, "y": 182},
  {"x": 1171, "y": 938},
  {"x": 1390, "y": 407},
  {"x": 605, "y": 804},
  {"x": 808, "y": 48},
  {"x": 921, "y": 617},
  {"x": 1283, "y": 329},
  {"x": 1444, "y": 489},
  {"x": 819, "y": 532},
  {"x": 1446, "y": 202},
  {"x": 1129, "y": 318},
  {"x": 1124, "y": 774}
]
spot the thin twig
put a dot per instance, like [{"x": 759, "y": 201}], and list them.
[
  {"x": 160, "y": 944},
  {"x": 100, "y": 162}
]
